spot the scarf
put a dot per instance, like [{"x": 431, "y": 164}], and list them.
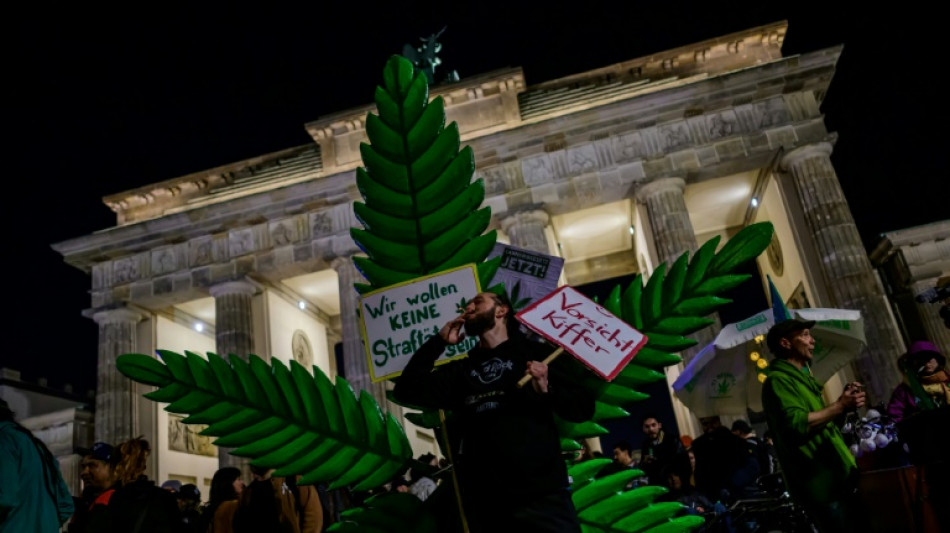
[{"x": 935, "y": 386}]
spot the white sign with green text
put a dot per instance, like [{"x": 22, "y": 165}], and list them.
[{"x": 397, "y": 320}]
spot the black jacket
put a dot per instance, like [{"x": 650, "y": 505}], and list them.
[
  {"x": 142, "y": 507},
  {"x": 658, "y": 460},
  {"x": 509, "y": 442}
]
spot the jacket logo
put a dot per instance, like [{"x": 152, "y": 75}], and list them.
[{"x": 491, "y": 370}]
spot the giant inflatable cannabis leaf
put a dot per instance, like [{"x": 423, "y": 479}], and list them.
[
  {"x": 421, "y": 211},
  {"x": 280, "y": 418},
  {"x": 390, "y": 511},
  {"x": 604, "y": 506}
]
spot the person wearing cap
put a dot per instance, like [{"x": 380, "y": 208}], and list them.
[
  {"x": 189, "y": 503},
  {"x": 33, "y": 495},
  {"x": 820, "y": 472},
  {"x": 173, "y": 486},
  {"x": 926, "y": 383},
  {"x": 97, "y": 472}
]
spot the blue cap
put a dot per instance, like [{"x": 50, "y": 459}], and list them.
[{"x": 99, "y": 450}]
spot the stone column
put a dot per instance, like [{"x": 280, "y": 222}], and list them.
[
  {"x": 355, "y": 366},
  {"x": 234, "y": 334},
  {"x": 672, "y": 235},
  {"x": 845, "y": 265},
  {"x": 233, "y": 318},
  {"x": 929, "y": 314},
  {"x": 526, "y": 230},
  {"x": 116, "y": 398}
]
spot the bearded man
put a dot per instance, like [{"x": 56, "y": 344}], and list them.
[{"x": 505, "y": 443}]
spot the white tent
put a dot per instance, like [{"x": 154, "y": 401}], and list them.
[{"x": 723, "y": 379}]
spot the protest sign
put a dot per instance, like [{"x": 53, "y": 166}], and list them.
[
  {"x": 598, "y": 338},
  {"x": 528, "y": 276},
  {"x": 397, "y": 320}
]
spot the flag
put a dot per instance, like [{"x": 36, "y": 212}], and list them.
[{"x": 779, "y": 311}]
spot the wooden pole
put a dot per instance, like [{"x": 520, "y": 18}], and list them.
[
  {"x": 455, "y": 479},
  {"x": 547, "y": 361}
]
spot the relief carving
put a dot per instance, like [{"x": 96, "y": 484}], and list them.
[
  {"x": 771, "y": 112},
  {"x": 240, "y": 242},
  {"x": 721, "y": 125},
  {"x": 321, "y": 224},
  {"x": 301, "y": 349},
  {"x": 186, "y": 438},
  {"x": 126, "y": 270},
  {"x": 629, "y": 146},
  {"x": 538, "y": 170},
  {"x": 164, "y": 260},
  {"x": 582, "y": 159},
  {"x": 494, "y": 181},
  {"x": 201, "y": 251},
  {"x": 281, "y": 235},
  {"x": 675, "y": 135}
]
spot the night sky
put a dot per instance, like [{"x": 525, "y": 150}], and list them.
[{"x": 106, "y": 101}]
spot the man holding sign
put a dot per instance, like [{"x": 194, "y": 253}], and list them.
[{"x": 508, "y": 459}]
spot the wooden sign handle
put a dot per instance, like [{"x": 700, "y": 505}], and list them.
[{"x": 547, "y": 361}]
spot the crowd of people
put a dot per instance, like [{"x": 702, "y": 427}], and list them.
[
  {"x": 705, "y": 474},
  {"x": 118, "y": 497},
  {"x": 803, "y": 443}
]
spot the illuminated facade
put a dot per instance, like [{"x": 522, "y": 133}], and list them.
[{"x": 616, "y": 170}]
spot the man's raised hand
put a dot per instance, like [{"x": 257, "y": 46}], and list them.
[{"x": 452, "y": 332}]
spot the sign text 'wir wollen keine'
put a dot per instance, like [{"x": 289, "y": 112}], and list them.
[{"x": 397, "y": 320}]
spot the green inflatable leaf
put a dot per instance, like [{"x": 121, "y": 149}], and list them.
[
  {"x": 653, "y": 515},
  {"x": 280, "y": 418},
  {"x": 604, "y": 505},
  {"x": 421, "y": 213},
  {"x": 688, "y": 522},
  {"x": 389, "y": 512},
  {"x": 744, "y": 247}
]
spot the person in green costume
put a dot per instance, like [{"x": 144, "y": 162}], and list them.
[{"x": 820, "y": 472}]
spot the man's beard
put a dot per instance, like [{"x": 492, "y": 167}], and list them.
[{"x": 478, "y": 323}]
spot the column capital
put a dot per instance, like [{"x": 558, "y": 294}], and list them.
[
  {"x": 341, "y": 261},
  {"x": 117, "y": 315},
  {"x": 660, "y": 185},
  {"x": 233, "y": 287},
  {"x": 791, "y": 158},
  {"x": 522, "y": 217}
]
